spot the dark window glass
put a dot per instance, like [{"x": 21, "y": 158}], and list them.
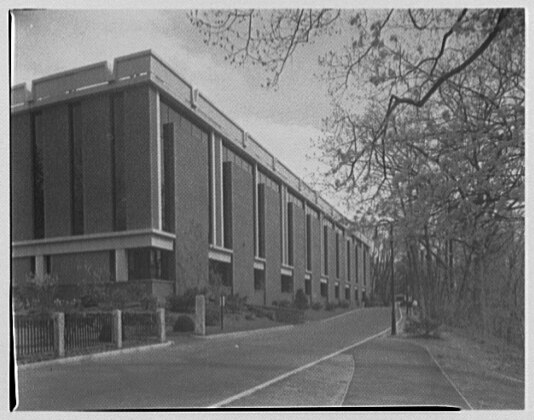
[
  {"x": 336, "y": 290},
  {"x": 227, "y": 204},
  {"x": 48, "y": 264},
  {"x": 286, "y": 284},
  {"x": 364, "y": 265},
  {"x": 32, "y": 266},
  {"x": 324, "y": 289},
  {"x": 348, "y": 261},
  {"x": 220, "y": 273},
  {"x": 307, "y": 287},
  {"x": 38, "y": 178},
  {"x": 75, "y": 125},
  {"x": 347, "y": 293},
  {"x": 149, "y": 263},
  {"x": 308, "y": 242},
  {"x": 356, "y": 262},
  {"x": 356, "y": 295},
  {"x": 259, "y": 279},
  {"x": 118, "y": 168},
  {"x": 112, "y": 265},
  {"x": 325, "y": 250},
  {"x": 261, "y": 220},
  {"x": 167, "y": 179},
  {"x": 337, "y": 255},
  {"x": 290, "y": 233}
]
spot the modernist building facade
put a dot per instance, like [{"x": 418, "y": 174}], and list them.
[{"x": 131, "y": 174}]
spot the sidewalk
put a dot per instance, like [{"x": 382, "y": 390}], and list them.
[{"x": 392, "y": 372}]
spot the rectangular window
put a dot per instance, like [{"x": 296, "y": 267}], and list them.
[
  {"x": 348, "y": 260},
  {"x": 259, "y": 279},
  {"x": 76, "y": 168},
  {"x": 48, "y": 264},
  {"x": 112, "y": 263},
  {"x": 325, "y": 250},
  {"x": 337, "y": 255},
  {"x": 32, "y": 266},
  {"x": 227, "y": 204},
  {"x": 336, "y": 290},
  {"x": 308, "y": 242},
  {"x": 118, "y": 168},
  {"x": 38, "y": 178},
  {"x": 261, "y": 220},
  {"x": 364, "y": 256},
  {"x": 347, "y": 292},
  {"x": 167, "y": 179},
  {"x": 149, "y": 263},
  {"x": 324, "y": 289},
  {"x": 355, "y": 295},
  {"x": 307, "y": 287},
  {"x": 286, "y": 283},
  {"x": 356, "y": 262},
  {"x": 290, "y": 233}
]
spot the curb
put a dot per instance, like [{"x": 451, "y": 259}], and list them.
[
  {"x": 244, "y": 333},
  {"x": 85, "y": 357}
]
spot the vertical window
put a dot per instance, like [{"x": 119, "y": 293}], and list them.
[
  {"x": 38, "y": 178},
  {"x": 336, "y": 290},
  {"x": 364, "y": 266},
  {"x": 167, "y": 179},
  {"x": 347, "y": 254},
  {"x": 337, "y": 255},
  {"x": 347, "y": 292},
  {"x": 324, "y": 289},
  {"x": 308, "y": 242},
  {"x": 286, "y": 283},
  {"x": 75, "y": 129},
  {"x": 32, "y": 266},
  {"x": 112, "y": 263},
  {"x": 47, "y": 264},
  {"x": 356, "y": 262},
  {"x": 149, "y": 263},
  {"x": 290, "y": 233},
  {"x": 117, "y": 153},
  {"x": 307, "y": 287},
  {"x": 227, "y": 204},
  {"x": 261, "y": 220},
  {"x": 355, "y": 295},
  {"x": 259, "y": 279},
  {"x": 325, "y": 250}
]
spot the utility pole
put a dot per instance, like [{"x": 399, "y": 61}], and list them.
[{"x": 393, "y": 320}]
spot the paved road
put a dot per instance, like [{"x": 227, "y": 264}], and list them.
[{"x": 193, "y": 373}]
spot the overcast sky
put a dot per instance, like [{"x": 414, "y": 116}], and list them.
[{"x": 284, "y": 120}]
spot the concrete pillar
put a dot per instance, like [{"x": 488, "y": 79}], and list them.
[
  {"x": 117, "y": 328},
  {"x": 200, "y": 315},
  {"x": 39, "y": 266},
  {"x": 121, "y": 265},
  {"x": 160, "y": 314},
  {"x": 59, "y": 333}
]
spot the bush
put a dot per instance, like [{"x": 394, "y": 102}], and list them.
[
  {"x": 250, "y": 316},
  {"x": 213, "y": 315},
  {"x": 149, "y": 302},
  {"x": 289, "y": 315},
  {"x": 184, "y": 302},
  {"x": 425, "y": 328},
  {"x": 316, "y": 306},
  {"x": 235, "y": 303},
  {"x": 284, "y": 303},
  {"x": 344, "y": 304},
  {"x": 330, "y": 306},
  {"x": 275, "y": 303},
  {"x": 301, "y": 300},
  {"x": 184, "y": 324}
]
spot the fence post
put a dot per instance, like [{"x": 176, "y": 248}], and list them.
[
  {"x": 160, "y": 314},
  {"x": 117, "y": 328},
  {"x": 200, "y": 315},
  {"x": 59, "y": 333}
]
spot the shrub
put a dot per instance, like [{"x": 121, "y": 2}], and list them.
[
  {"x": 344, "y": 304},
  {"x": 149, "y": 302},
  {"x": 275, "y": 303},
  {"x": 289, "y": 315},
  {"x": 316, "y": 306},
  {"x": 184, "y": 302},
  {"x": 235, "y": 303},
  {"x": 213, "y": 315},
  {"x": 425, "y": 328},
  {"x": 301, "y": 300},
  {"x": 250, "y": 316},
  {"x": 330, "y": 306},
  {"x": 284, "y": 303},
  {"x": 184, "y": 324}
]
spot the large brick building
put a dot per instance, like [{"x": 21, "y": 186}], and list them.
[{"x": 131, "y": 174}]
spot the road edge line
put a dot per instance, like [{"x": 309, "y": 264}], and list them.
[
  {"x": 446, "y": 376},
  {"x": 292, "y": 372}
]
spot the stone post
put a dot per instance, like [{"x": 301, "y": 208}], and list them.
[
  {"x": 59, "y": 333},
  {"x": 117, "y": 328},
  {"x": 200, "y": 315},
  {"x": 160, "y": 315}
]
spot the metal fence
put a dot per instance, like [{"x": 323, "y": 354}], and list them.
[
  {"x": 34, "y": 335},
  {"x": 88, "y": 329},
  {"x": 139, "y": 326}
]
